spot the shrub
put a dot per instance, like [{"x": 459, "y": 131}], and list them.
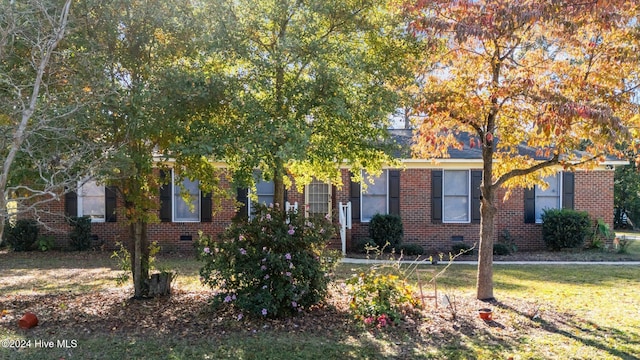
[
  {"x": 22, "y": 235},
  {"x": 80, "y": 235},
  {"x": 601, "y": 236},
  {"x": 380, "y": 299},
  {"x": 501, "y": 249},
  {"x": 507, "y": 240},
  {"x": 364, "y": 245},
  {"x": 45, "y": 243},
  {"x": 267, "y": 266},
  {"x": 565, "y": 228},
  {"x": 457, "y": 248},
  {"x": 386, "y": 230},
  {"x": 411, "y": 249}
]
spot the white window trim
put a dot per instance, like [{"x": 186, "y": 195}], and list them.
[
  {"x": 386, "y": 198},
  {"x": 80, "y": 200},
  {"x": 560, "y": 179},
  {"x": 468, "y": 221},
  {"x": 329, "y": 203},
  {"x": 173, "y": 203}
]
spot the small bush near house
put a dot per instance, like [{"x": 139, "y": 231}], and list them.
[
  {"x": 80, "y": 235},
  {"x": 501, "y": 249},
  {"x": 385, "y": 229},
  {"x": 45, "y": 243},
  {"x": 462, "y": 247},
  {"x": 22, "y": 235},
  {"x": 411, "y": 249},
  {"x": 508, "y": 241},
  {"x": 364, "y": 245},
  {"x": 267, "y": 266},
  {"x": 601, "y": 236},
  {"x": 565, "y": 228}
]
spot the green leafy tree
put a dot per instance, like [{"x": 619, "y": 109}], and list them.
[
  {"x": 310, "y": 86},
  {"x": 142, "y": 46},
  {"x": 552, "y": 76}
]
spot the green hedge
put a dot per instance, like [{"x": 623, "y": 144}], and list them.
[
  {"x": 22, "y": 235},
  {"x": 565, "y": 228},
  {"x": 385, "y": 229}
]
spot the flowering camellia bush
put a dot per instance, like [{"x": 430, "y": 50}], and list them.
[
  {"x": 272, "y": 265},
  {"x": 380, "y": 299}
]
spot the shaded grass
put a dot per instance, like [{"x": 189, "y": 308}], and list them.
[{"x": 543, "y": 312}]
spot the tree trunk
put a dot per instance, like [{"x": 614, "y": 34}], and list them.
[
  {"x": 139, "y": 259},
  {"x": 484, "y": 285},
  {"x": 278, "y": 184}
]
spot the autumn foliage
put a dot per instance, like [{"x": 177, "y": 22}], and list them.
[{"x": 537, "y": 85}]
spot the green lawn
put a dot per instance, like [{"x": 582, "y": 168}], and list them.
[{"x": 542, "y": 312}]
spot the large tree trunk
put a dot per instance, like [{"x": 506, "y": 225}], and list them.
[
  {"x": 139, "y": 259},
  {"x": 484, "y": 285}
]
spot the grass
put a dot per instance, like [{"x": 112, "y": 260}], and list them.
[{"x": 542, "y": 312}]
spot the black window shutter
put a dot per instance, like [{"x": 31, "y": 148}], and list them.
[
  {"x": 436, "y": 196},
  {"x": 476, "y": 181},
  {"x": 71, "y": 204},
  {"x": 394, "y": 192},
  {"x": 354, "y": 197},
  {"x": 567, "y": 190},
  {"x": 165, "y": 198},
  {"x": 110, "y": 202},
  {"x": 206, "y": 213},
  {"x": 529, "y": 205},
  {"x": 243, "y": 198}
]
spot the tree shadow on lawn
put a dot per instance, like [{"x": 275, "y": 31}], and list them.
[
  {"x": 186, "y": 318},
  {"x": 585, "y": 332}
]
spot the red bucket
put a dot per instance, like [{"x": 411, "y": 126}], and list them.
[{"x": 28, "y": 320}]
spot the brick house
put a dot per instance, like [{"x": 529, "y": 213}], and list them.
[{"x": 437, "y": 201}]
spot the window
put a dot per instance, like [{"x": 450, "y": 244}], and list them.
[
  {"x": 265, "y": 191},
  {"x": 375, "y": 199},
  {"x": 455, "y": 199},
  {"x": 318, "y": 198},
  {"x": 91, "y": 201},
  {"x": 549, "y": 198},
  {"x": 182, "y": 210}
]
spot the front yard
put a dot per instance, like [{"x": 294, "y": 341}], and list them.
[{"x": 542, "y": 312}]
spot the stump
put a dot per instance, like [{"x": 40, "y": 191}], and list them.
[{"x": 160, "y": 284}]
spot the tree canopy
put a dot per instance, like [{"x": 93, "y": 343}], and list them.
[
  {"x": 557, "y": 77},
  {"x": 309, "y": 85}
]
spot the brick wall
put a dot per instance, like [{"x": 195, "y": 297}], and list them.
[{"x": 593, "y": 193}]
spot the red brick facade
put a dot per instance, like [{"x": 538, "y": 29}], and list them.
[{"x": 593, "y": 193}]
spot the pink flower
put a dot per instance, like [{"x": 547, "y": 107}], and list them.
[
  {"x": 268, "y": 216},
  {"x": 263, "y": 268},
  {"x": 287, "y": 256},
  {"x": 227, "y": 299},
  {"x": 241, "y": 238},
  {"x": 288, "y": 274},
  {"x": 243, "y": 251},
  {"x": 294, "y": 304},
  {"x": 264, "y": 312},
  {"x": 291, "y": 230},
  {"x": 368, "y": 320},
  {"x": 207, "y": 250},
  {"x": 240, "y": 316}
]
